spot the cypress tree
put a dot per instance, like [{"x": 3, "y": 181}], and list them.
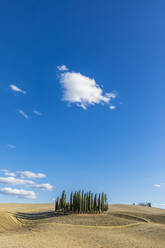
[
  {"x": 105, "y": 202},
  {"x": 95, "y": 203},
  {"x": 102, "y": 202},
  {"x": 71, "y": 201},
  {"x": 79, "y": 202},
  {"x": 74, "y": 201},
  {"x": 57, "y": 204},
  {"x": 92, "y": 202},
  {"x": 63, "y": 200},
  {"x": 99, "y": 203},
  {"x": 89, "y": 202},
  {"x": 85, "y": 202},
  {"x": 82, "y": 201}
]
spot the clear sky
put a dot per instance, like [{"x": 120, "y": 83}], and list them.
[{"x": 82, "y": 99}]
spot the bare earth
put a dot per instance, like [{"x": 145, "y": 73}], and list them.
[{"x": 36, "y": 226}]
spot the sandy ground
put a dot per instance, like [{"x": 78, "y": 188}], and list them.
[{"x": 50, "y": 233}]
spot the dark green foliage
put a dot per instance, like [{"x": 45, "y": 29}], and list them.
[
  {"x": 149, "y": 204},
  {"x": 57, "y": 204},
  {"x": 105, "y": 202},
  {"x": 89, "y": 202},
  {"x": 63, "y": 201},
  {"x": 67, "y": 208},
  {"x": 102, "y": 202},
  {"x": 85, "y": 202},
  {"x": 99, "y": 203},
  {"x": 71, "y": 201},
  {"x": 95, "y": 203},
  {"x": 80, "y": 202},
  {"x": 92, "y": 205}
]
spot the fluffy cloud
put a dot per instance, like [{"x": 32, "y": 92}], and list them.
[
  {"x": 14, "y": 181},
  {"x": 62, "y": 68},
  {"x": 43, "y": 186},
  {"x": 22, "y": 178},
  {"x": 157, "y": 185},
  {"x": 83, "y": 91},
  {"x": 37, "y": 112},
  {"x": 17, "y": 181},
  {"x": 16, "y": 89},
  {"x": 23, "y": 114},
  {"x": 30, "y": 174},
  {"x": 20, "y": 193},
  {"x": 8, "y": 173}
]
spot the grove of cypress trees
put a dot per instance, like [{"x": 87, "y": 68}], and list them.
[{"x": 81, "y": 202}]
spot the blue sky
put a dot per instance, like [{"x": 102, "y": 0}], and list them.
[{"x": 75, "y": 140}]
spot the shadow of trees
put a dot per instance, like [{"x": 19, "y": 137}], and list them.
[{"x": 39, "y": 215}]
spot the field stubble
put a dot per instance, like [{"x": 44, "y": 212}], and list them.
[{"x": 36, "y": 226}]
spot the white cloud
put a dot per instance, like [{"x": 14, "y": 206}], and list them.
[
  {"x": 16, "y": 89},
  {"x": 8, "y": 173},
  {"x": 37, "y": 112},
  {"x": 112, "y": 107},
  {"x": 11, "y": 146},
  {"x": 22, "y": 178},
  {"x": 15, "y": 181},
  {"x": 83, "y": 91},
  {"x": 4, "y": 170},
  {"x": 157, "y": 185},
  {"x": 20, "y": 193},
  {"x": 62, "y": 68},
  {"x": 43, "y": 186},
  {"x": 30, "y": 174},
  {"x": 11, "y": 180},
  {"x": 23, "y": 114}
]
